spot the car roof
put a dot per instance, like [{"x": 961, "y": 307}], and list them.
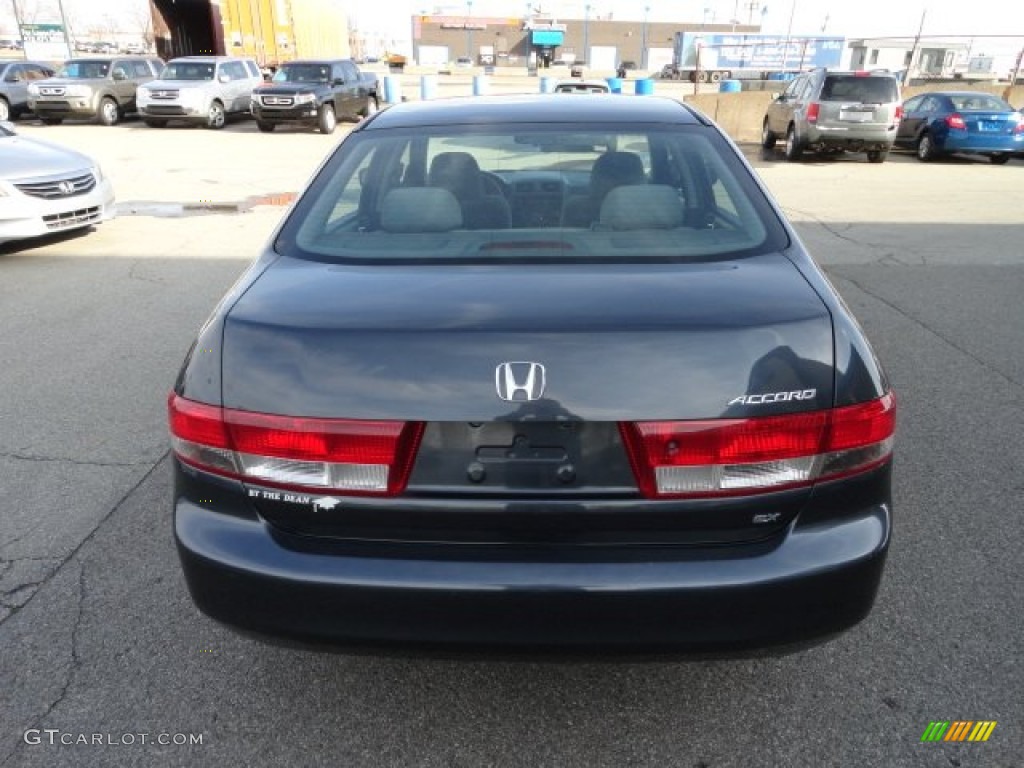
[
  {"x": 314, "y": 61},
  {"x": 538, "y": 108},
  {"x": 209, "y": 58}
]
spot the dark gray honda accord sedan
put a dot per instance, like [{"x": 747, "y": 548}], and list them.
[{"x": 534, "y": 372}]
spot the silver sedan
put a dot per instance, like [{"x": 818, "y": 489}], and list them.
[{"x": 46, "y": 188}]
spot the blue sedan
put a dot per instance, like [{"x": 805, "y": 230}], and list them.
[{"x": 939, "y": 123}]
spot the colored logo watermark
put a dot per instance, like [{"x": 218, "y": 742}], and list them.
[{"x": 958, "y": 730}]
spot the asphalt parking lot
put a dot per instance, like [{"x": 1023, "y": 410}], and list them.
[{"x": 98, "y": 637}]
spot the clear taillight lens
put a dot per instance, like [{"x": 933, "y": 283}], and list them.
[
  {"x": 316, "y": 455},
  {"x": 723, "y": 457}
]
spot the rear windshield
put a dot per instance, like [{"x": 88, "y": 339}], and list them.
[
  {"x": 968, "y": 101},
  {"x": 545, "y": 192},
  {"x": 191, "y": 70},
  {"x": 83, "y": 69},
  {"x": 866, "y": 90}
]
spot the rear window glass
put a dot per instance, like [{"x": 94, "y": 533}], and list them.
[
  {"x": 867, "y": 90},
  {"x": 969, "y": 101},
  {"x": 533, "y": 192}
]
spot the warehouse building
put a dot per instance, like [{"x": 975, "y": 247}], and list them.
[{"x": 543, "y": 41}]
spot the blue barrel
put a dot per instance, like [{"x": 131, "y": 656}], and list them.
[
  {"x": 392, "y": 89},
  {"x": 615, "y": 84},
  {"x": 480, "y": 85},
  {"x": 730, "y": 86},
  {"x": 428, "y": 87},
  {"x": 644, "y": 87},
  {"x": 547, "y": 84}
]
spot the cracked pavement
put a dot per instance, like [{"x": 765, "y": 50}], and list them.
[{"x": 98, "y": 634}]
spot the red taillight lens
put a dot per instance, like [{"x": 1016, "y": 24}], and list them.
[
  {"x": 313, "y": 455},
  {"x": 1019, "y": 127},
  {"x": 956, "y": 121},
  {"x": 899, "y": 113},
  {"x": 813, "y": 109},
  {"x": 724, "y": 457}
]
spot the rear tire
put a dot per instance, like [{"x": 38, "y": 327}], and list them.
[
  {"x": 877, "y": 155},
  {"x": 328, "y": 120},
  {"x": 371, "y": 107},
  {"x": 926, "y": 148},
  {"x": 1000, "y": 159},
  {"x": 264, "y": 127},
  {"x": 108, "y": 113},
  {"x": 5, "y": 110},
  {"x": 768, "y": 138},
  {"x": 794, "y": 149},
  {"x": 155, "y": 123}
]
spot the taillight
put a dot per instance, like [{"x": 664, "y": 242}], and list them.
[
  {"x": 812, "y": 112},
  {"x": 956, "y": 121},
  {"x": 306, "y": 454},
  {"x": 1019, "y": 127},
  {"x": 899, "y": 113},
  {"x": 728, "y": 457}
]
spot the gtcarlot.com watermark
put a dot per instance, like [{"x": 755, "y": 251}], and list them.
[{"x": 57, "y": 737}]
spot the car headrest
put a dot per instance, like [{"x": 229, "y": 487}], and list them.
[
  {"x": 641, "y": 206},
  {"x": 614, "y": 169},
  {"x": 420, "y": 209},
  {"x": 458, "y": 172}
]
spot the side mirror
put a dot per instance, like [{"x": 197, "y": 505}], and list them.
[
  {"x": 223, "y": 79},
  {"x": 338, "y": 81},
  {"x": 120, "y": 75},
  {"x": 12, "y": 79}
]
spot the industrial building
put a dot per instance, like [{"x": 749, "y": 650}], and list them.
[
  {"x": 541, "y": 41},
  {"x": 270, "y": 31}
]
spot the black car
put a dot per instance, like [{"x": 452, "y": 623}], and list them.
[
  {"x": 534, "y": 372},
  {"x": 314, "y": 93}
]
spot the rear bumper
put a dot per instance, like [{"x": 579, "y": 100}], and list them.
[
  {"x": 857, "y": 139},
  {"x": 961, "y": 141},
  {"x": 819, "y": 580}
]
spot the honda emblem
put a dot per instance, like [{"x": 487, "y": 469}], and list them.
[{"x": 519, "y": 382}]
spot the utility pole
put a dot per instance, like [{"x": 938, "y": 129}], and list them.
[
  {"x": 643, "y": 56},
  {"x": 789, "y": 34},
  {"x": 586, "y": 33},
  {"x": 21, "y": 33},
  {"x": 67, "y": 29},
  {"x": 913, "y": 51}
]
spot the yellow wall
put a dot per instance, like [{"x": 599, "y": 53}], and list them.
[{"x": 273, "y": 31}]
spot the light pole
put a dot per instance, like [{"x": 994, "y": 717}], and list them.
[
  {"x": 469, "y": 31},
  {"x": 643, "y": 52},
  {"x": 586, "y": 34}
]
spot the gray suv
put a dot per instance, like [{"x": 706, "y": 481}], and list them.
[
  {"x": 828, "y": 111},
  {"x": 15, "y": 78},
  {"x": 100, "y": 87},
  {"x": 200, "y": 89}
]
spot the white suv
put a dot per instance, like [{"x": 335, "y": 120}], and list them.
[{"x": 202, "y": 89}]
